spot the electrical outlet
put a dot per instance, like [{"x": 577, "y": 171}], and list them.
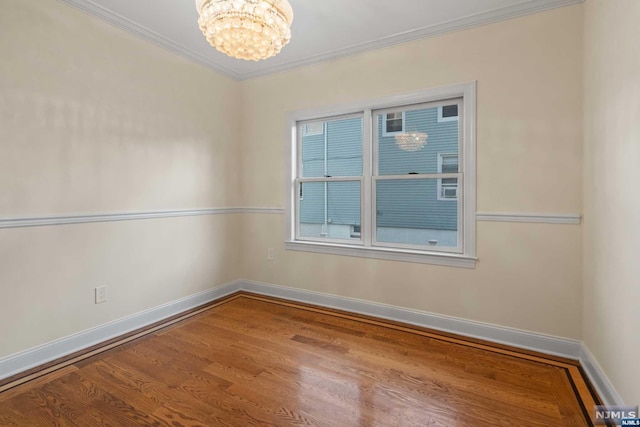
[
  {"x": 101, "y": 294},
  {"x": 270, "y": 254}
]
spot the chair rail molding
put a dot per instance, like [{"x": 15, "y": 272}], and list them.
[
  {"x": 36, "y": 221},
  {"x": 51, "y": 220},
  {"x": 534, "y": 218}
]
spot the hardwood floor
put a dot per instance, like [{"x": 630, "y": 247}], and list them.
[{"x": 251, "y": 360}]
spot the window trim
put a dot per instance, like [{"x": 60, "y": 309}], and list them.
[
  {"x": 442, "y": 119},
  {"x": 439, "y": 185},
  {"x": 385, "y": 122},
  {"x": 467, "y": 165}
]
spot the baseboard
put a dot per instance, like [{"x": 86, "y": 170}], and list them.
[
  {"x": 37, "y": 356},
  {"x": 598, "y": 378},
  {"x": 514, "y": 337},
  {"x": 573, "y": 349}
]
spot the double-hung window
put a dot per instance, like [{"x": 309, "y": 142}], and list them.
[{"x": 386, "y": 179}]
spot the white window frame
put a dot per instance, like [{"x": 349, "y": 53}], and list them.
[
  {"x": 376, "y": 177},
  {"x": 439, "y": 189},
  {"x": 385, "y": 122},
  {"x": 466, "y": 256},
  {"x": 442, "y": 119}
]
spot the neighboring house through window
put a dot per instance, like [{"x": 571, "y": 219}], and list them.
[
  {"x": 311, "y": 129},
  {"x": 393, "y": 123},
  {"x": 365, "y": 196},
  {"x": 447, "y": 187},
  {"x": 447, "y": 113}
]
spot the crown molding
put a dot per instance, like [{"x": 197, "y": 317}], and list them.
[
  {"x": 501, "y": 14},
  {"x": 472, "y": 21}
]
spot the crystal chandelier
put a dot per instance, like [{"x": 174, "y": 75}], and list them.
[
  {"x": 411, "y": 141},
  {"x": 246, "y": 29}
]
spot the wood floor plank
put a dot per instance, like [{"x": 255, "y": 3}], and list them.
[
  {"x": 22, "y": 388},
  {"x": 258, "y": 361}
]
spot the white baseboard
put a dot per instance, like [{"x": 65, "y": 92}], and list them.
[
  {"x": 599, "y": 379},
  {"x": 499, "y": 334},
  {"x": 573, "y": 349},
  {"x": 37, "y": 356}
]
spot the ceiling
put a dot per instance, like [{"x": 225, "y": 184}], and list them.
[{"x": 321, "y": 30}]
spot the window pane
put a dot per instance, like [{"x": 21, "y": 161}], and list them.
[
  {"x": 450, "y": 111},
  {"x": 394, "y": 122},
  {"x": 442, "y": 137},
  {"x": 330, "y": 209},
  {"x": 449, "y": 163},
  {"x": 408, "y": 212},
  {"x": 448, "y": 189},
  {"x": 316, "y": 128},
  {"x": 335, "y": 150}
]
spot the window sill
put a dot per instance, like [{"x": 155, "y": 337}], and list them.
[{"x": 447, "y": 259}]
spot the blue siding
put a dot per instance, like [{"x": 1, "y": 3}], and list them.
[
  {"x": 414, "y": 204},
  {"x": 344, "y": 150},
  {"x": 400, "y": 204},
  {"x": 443, "y": 138},
  {"x": 343, "y": 203}
]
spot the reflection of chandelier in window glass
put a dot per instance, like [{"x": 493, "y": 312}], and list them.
[{"x": 411, "y": 141}]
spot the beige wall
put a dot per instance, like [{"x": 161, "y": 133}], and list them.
[
  {"x": 611, "y": 177},
  {"x": 92, "y": 119},
  {"x": 529, "y": 74},
  {"x": 95, "y": 120}
]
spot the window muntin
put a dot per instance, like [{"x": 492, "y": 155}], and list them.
[{"x": 462, "y": 95}]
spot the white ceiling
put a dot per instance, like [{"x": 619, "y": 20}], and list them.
[{"x": 322, "y": 29}]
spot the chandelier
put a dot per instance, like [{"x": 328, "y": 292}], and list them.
[
  {"x": 411, "y": 141},
  {"x": 246, "y": 29}
]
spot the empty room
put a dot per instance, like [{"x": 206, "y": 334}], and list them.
[{"x": 331, "y": 213}]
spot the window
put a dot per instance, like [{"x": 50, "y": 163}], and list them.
[
  {"x": 393, "y": 123},
  {"x": 447, "y": 113},
  {"x": 366, "y": 196},
  {"x": 312, "y": 129},
  {"x": 448, "y": 187}
]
